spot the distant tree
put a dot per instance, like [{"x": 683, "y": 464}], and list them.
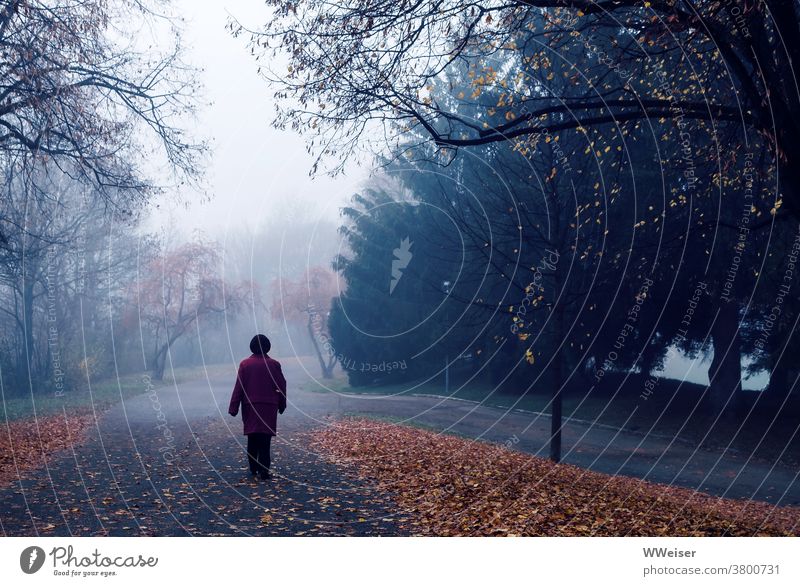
[
  {"x": 63, "y": 263},
  {"x": 307, "y": 302},
  {"x": 177, "y": 291}
]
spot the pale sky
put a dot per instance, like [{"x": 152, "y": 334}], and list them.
[{"x": 255, "y": 171}]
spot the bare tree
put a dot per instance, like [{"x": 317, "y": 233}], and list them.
[
  {"x": 61, "y": 265},
  {"x": 360, "y": 71},
  {"x": 83, "y": 86}
]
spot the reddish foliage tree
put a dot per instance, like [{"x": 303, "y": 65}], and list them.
[
  {"x": 179, "y": 289},
  {"x": 308, "y": 301}
]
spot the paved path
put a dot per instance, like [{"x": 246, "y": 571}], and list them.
[
  {"x": 172, "y": 462},
  {"x": 175, "y": 466}
]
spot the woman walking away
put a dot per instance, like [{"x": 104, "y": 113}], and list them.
[{"x": 261, "y": 390}]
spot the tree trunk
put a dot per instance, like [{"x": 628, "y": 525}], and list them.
[
  {"x": 25, "y": 368},
  {"x": 725, "y": 372},
  {"x": 783, "y": 371},
  {"x": 327, "y": 369},
  {"x": 555, "y": 419},
  {"x": 647, "y": 360},
  {"x": 558, "y": 384},
  {"x": 158, "y": 369},
  {"x": 781, "y": 377},
  {"x": 160, "y": 362}
]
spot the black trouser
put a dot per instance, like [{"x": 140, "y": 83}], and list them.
[{"x": 258, "y": 452}]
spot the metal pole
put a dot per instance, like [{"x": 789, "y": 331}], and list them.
[{"x": 446, "y": 287}]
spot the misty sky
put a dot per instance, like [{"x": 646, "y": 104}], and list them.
[{"x": 255, "y": 171}]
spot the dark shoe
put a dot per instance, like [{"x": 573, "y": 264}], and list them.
[{"x": 266, "y": 475}]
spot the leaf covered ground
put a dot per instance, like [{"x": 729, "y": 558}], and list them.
[
  {"x": 24, "y": 444},
  {"x": 117, "y": 482},
  {"x": 446, "y": 485}
]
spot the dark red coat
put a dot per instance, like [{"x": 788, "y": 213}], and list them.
[{"x": 261, "y": 390}]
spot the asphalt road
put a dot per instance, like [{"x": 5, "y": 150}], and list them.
[{"x": 601, "y": 448}]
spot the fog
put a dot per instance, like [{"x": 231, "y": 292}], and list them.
[
  {"x": 255, "y": 172},
  {"x": 258, "y": 176},
  {"x": 548, "y": 237}
]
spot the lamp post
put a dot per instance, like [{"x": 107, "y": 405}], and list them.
[{"x": 446, "y": 287}]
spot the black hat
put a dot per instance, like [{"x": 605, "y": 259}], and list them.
[{"x": 260, "y": 344}]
